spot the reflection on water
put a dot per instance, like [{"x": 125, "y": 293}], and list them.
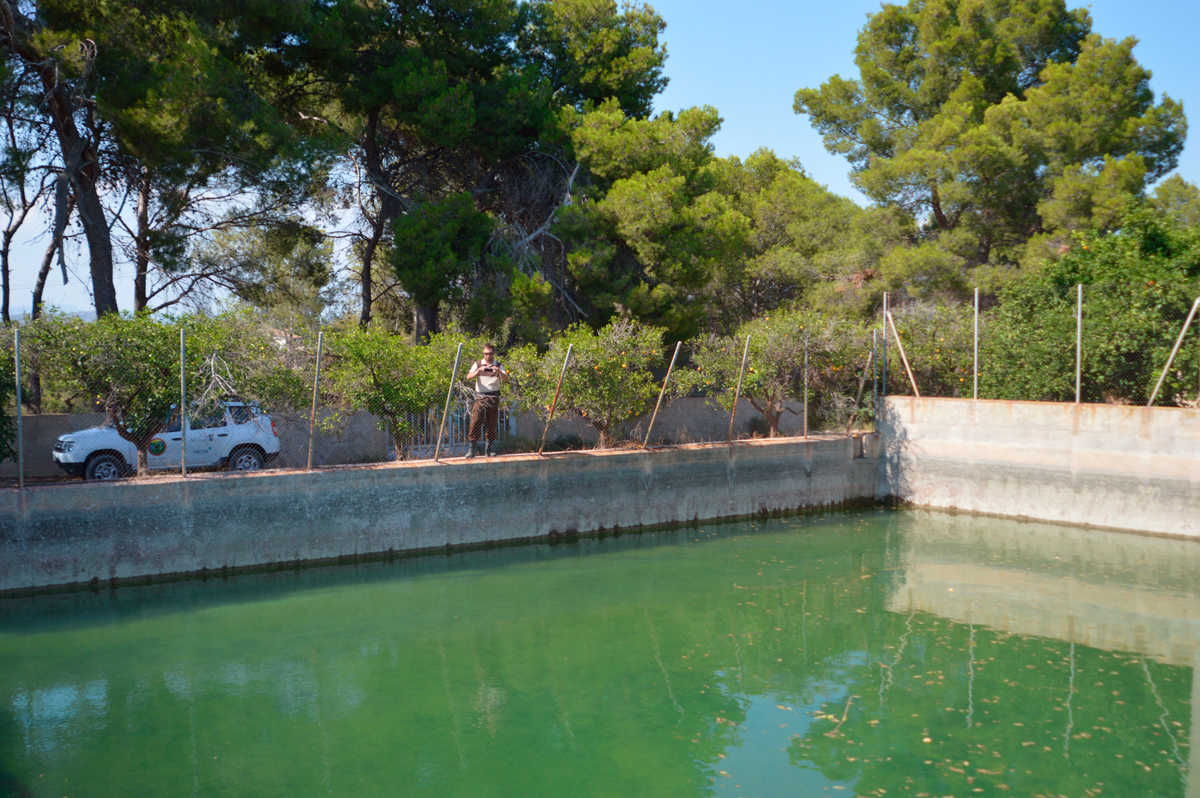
[{"x": 872, "y": 653}]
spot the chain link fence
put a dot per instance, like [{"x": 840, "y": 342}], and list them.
[{"x": 101, "y": 400}]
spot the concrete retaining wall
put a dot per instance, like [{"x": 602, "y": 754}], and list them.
[
  {"x": 76, "y": 533},
  {"x": 1112, "y": 466},
  {"x": 359, "y": 437}
]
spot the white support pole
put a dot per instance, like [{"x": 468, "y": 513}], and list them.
[
  {"x": 883, "y": 352},
  {"x": 553, "y": 404},
  {"x": 312, "y": 413},
  {"x": 661, "y": 393},
  {"x": 737, "y": 392},
  {"x": 903, "y": 358},
  {"x": 1078, "y": 341},
  {"x": 1174, "y": 351},
  {"x": 183, "y": 414},
  {"x": 20, "y": 437},
  {"x": 875, "y": 378},
  {"x": 806, "y": 383},
  {"x": 975, "y": 368},
  {"x": 437, "y": 450}
]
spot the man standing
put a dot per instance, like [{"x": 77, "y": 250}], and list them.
[{"x": 488, "y": 375}]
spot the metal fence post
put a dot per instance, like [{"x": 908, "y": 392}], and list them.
[
  {"x": 804, "y": 422},
  {"x": 874, "y": 379},
  {"x": 1174, "y": 351},
  {"x": 1078, "y": 340},
  {"x": 437, "y": 450},
  {"x": 20, "y": 437},
  {"x": 662, "y": 391},
  {"x": 554, "y": 404},
  {"x": 183, "y": 414},
  {"x": 738, "y": 391},
  {"x": 312, "y": 413},
  {"x": 903, "y": 358},
  {"x": 883, "y": 350},
  {"x": 975, "y": 367},
  {"x": 862, "y": 383}
]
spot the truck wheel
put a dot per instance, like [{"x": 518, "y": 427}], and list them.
[
  {"x": 245, "y": 458},
  {"x": 104, "y": 468}
]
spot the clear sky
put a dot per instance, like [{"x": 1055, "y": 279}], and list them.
[{"x": 748, "y": 59}]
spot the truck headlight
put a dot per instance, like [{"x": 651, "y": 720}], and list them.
[{"x": 64, "y": 446}]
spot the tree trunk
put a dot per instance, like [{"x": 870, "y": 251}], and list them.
[
  {"x": 80, "y": 159},
  {"x": 425, "y": 321},
  {"x": 64, "y": 206},
  {"x": 143, "y": 467},
  {"x": 82, "y": 167},
  {"x": 5, "y": 288},
  {"x": 935, "y": 201},
  {"x": 772, "y": 418},
  {"x": 366, "y": 284},
  {"x": 388, "y": 208},
  {"x": 95, "y": 228},
  {"x": 141, "y": 244}
]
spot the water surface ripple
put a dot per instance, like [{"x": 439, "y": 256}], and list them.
[{"x": 863, "y": 653}]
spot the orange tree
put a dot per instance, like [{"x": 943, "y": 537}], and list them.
[
  {"x": 390, "y": 377},
  {"x": 775, "y": 365},
  {"x": 127, "y": 366},
  {"x": 609, "y": 381},
  {"x": 938, "y": 343},
  {"x": 1139, "y": 282},
  {"x": 8, "y": 385}
]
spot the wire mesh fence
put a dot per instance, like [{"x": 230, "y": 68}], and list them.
[{"x": 101, "y": 400}]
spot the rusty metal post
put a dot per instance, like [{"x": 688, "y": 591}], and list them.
[
  {"x": 1174, "y": 351},
  {"x": 312, "y": 413},
  {"x": 903, "y": 358},
  {"x": 446, "y": 410},
  {"x": 737, "y": 392},
  {"x": 662, "y": 391},
  {"x": 554, "y": 404}
]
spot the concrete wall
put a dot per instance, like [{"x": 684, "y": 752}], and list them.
[
  {"x": 1103, "y": 465},
  {"x": 687, "y": 420},
  {"x": 70, "y": 534},
  {"x": 40, "y": 432},
  {"x": 358, "y": 437}
]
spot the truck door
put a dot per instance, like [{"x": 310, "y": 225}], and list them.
[
  {"x": 203, "y": 446},
  {"x": 163, "y": 449}
]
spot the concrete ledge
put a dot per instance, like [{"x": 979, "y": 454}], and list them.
[
  {"x": 1113, "y": 466},
  {"x": 82, "y": 534}
]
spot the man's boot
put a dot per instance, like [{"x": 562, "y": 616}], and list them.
[
  {"x": 491, "y": 449},
  {"x": 470, "y": 449}
]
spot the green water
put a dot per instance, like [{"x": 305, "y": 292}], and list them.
[{"x": 868, "y": 653}]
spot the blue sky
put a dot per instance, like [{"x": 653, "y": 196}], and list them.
[{"x": 748, "y": 59}]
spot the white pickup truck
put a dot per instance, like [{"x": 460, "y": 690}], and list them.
[{"x": 239, "y": 437}]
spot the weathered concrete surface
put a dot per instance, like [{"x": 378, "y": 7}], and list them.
[
  {"x": 360, "y": 438},
  {"x": 1103, "y": 465},
  {"x": 61, "y": 535},
  {"x": 687, "y": 420},
  {"x": 40, "y": 432},
  {"x": 1099, "y": 588}
]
